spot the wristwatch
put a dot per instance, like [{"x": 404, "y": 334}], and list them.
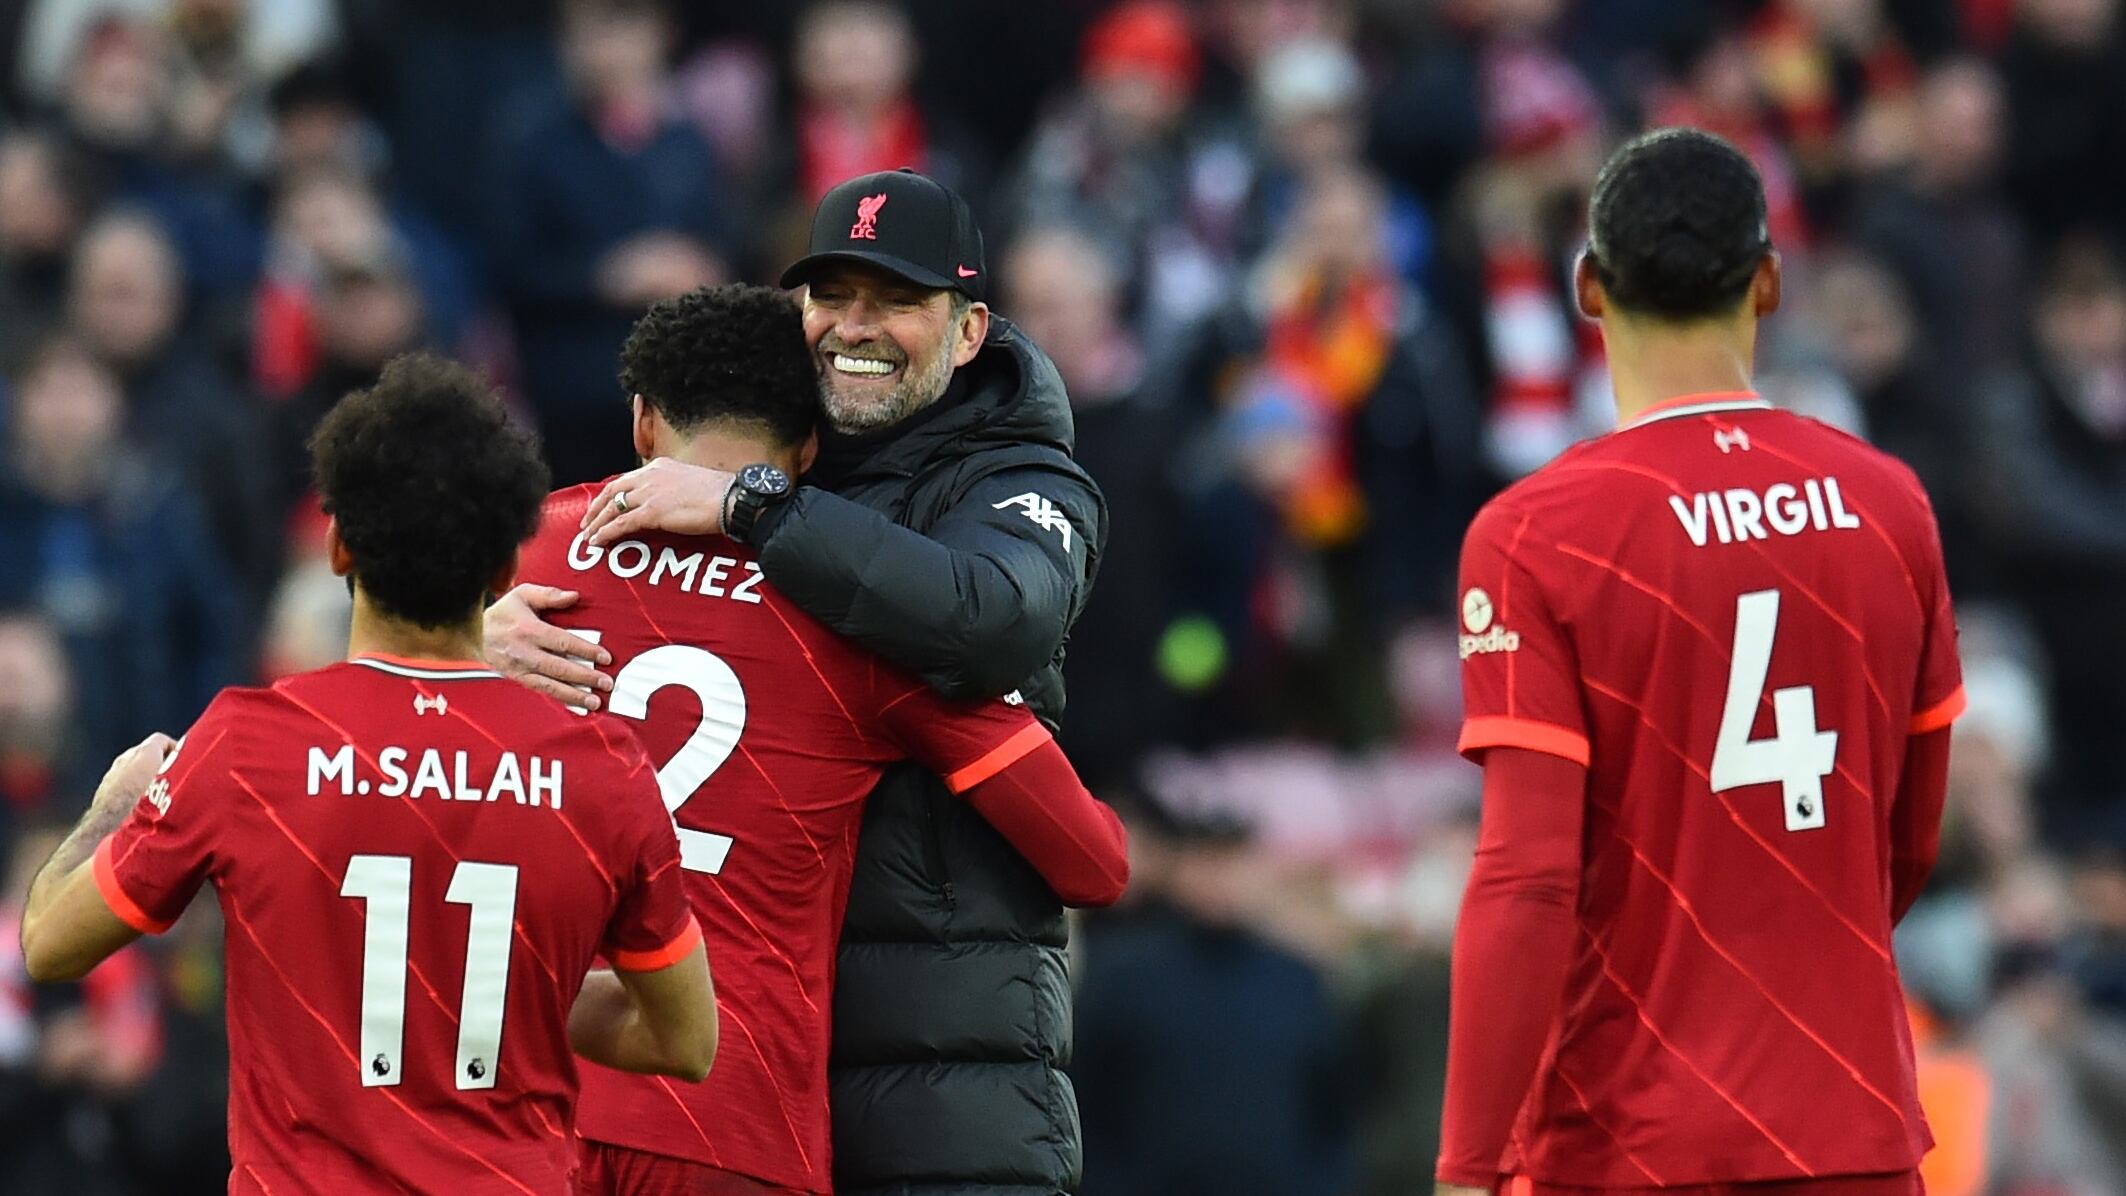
[{"x": 751, "y": 492}]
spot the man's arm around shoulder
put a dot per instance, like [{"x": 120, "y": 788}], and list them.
[{"x": 974, "y": 607}]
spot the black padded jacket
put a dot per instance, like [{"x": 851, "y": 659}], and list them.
[{"x": 961, "y": 544}]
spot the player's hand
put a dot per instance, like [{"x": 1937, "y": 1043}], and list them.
[
  {"x": 1459, "y": 1190},
  {"x": 130, "y": 773},
  {"x": 543, "y": 658},
  {"x": 665, "y": 495}
]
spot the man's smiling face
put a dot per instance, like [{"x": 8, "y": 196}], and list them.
[{"x": 884, "y": 346}]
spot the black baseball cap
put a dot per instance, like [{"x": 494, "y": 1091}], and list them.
[{"x": 902, "y": 222}]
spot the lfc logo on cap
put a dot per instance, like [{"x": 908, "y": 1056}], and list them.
[{"x": 866, "y": 228}]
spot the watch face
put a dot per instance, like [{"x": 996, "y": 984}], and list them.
[{"x": 764, "y": 480}]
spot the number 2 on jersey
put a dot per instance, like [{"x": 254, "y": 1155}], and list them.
[
  {"x": 1798, "y": 755},
  {"x": 715, "y": 737}
]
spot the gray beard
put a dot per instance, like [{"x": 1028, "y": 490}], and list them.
[{"x": 913, "y": 393}]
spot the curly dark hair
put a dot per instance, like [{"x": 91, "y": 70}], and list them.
[
  {"x": 1677, "y": 225},
  {"x": 433, "y": 487},
  {"x": 732, "y": 352}
]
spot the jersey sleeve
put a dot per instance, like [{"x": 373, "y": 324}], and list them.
[
  {"x": 966, "y": 743},
  {"x": 149, "y": 869},
  {"x": 1939, "y": 698},
  {"x": 1520, "y": 674},
  {"x": 652, "y": 925}
]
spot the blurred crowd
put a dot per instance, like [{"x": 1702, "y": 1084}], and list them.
[{"x": 1302, "y": 265}]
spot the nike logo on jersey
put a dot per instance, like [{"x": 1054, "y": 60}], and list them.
[
  {"x": 1779, "y": 509},
  {"x": 1044, "y": 514}
]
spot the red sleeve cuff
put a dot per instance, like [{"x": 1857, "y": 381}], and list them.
[
  {"x": 1549, "y": 738},
  {"x": 661, "y": 957},
  {"x": 1940, "y": 714},
  {"x": 999, "y": 758},
  {"x": 115, "y": 896}
]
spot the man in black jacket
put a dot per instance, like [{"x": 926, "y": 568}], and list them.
[{"x": 944, "y": 526}]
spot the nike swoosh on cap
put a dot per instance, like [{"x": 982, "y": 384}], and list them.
[{"x": 966, "y": 273}]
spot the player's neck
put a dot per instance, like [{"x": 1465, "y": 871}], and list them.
[
  {"x": 375, "y": 633},
  {"x": 1649, "y": 366},
  {"x": 731, "y": 450}
]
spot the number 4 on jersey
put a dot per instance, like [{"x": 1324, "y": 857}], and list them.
[{"x": 1798, "y": 755}]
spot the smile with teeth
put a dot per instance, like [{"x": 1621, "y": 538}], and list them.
[{"x": 869, "y": 367}]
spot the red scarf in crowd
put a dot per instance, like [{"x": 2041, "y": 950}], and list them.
[{"x": 1331, "y": 349}]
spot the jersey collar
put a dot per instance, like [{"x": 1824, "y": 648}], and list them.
[
  {"x": 424, "y": 670},
  {"x": 1685, "y": 406}
]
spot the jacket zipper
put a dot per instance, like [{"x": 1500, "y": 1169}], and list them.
[{"x": 934, "y": 849}]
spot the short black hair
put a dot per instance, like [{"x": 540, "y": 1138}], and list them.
[
  {"x": 433, "y": 487},
  {"x": 316, "y": 83},
  {"x": 1677, "y": 225},
  {"x": 732, "y": 352}
]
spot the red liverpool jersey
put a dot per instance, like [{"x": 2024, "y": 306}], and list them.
[
  {"x": 770, "y": 731},
  {"x": 1735, "y": 618},
  {"x": 417, "y": 863}
]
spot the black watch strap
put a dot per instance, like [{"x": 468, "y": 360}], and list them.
[{"x": 750, "y": 493}]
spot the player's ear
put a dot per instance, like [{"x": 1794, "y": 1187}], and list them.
[
  {"x": 973, "y": 330},
  {"x": 645, "y": 427},
  {"x": 507, "y": 578},
  {"x": 336, "y": 550},
  {"x": 808, "y": 452},
  {"x": 1587, "y": 288},
  {"x": 1765, "y": 286}
]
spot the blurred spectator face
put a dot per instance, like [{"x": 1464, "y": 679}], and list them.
[
  {"x": 1064, "y": 294},
  {"x": 1990, "y": 794},
  {"x": 368, "y": 316},
  {"x": 1724, "y": 83},
  {"x": 2081, "y": 25},
  {"x": 1341, "y": 227},
  {"x": 1250, "y": 30},
  {"x": 37, "y": 215},
  {"x": 68, "y": 413},
  {"x": 1310, "y": 95},
  {"x": 2082, "y": 317},
  {"x": 333, "y": 217},
  {"x": 1960, "y": 125},
  {"x": 1869, "y": 323},
  {"x": 34, "y": 691},
  {"x": 1999, "y": 746},
  {"x": 314, "y": 134},
  {"x": 1214, "y": 881},
  {"x": 1140, "y": 65},
  {"x": 855, "y": 57},
  {"x": 613, "y": 47},
  {"x": 125, "y": 297},
  {"x": 2100, "y": 893},
  {"x": 116, "y": 94},
  {"x": 883, "y": 346},
  {"x": 1850, "y": 23},
  {"x": 2031, "y": 903}
]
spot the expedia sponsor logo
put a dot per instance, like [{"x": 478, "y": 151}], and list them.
[
  {"x": 1483, "y": 636},
  {"x": 1498, "y": 639}
]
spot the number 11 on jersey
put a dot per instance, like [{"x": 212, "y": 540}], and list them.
[{"x": 1798, "y": 755}]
